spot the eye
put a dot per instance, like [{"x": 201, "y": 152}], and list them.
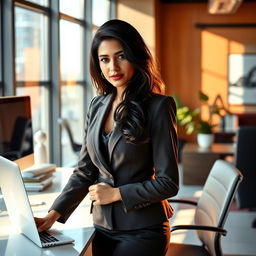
[
  {"x": 104, "y": 60},
  {"x": 121, "y": 56}
]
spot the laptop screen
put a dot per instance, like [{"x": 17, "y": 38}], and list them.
[{"x": 16, "y": 136}]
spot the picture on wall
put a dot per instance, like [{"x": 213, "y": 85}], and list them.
[{"x": 242, "y": 79}]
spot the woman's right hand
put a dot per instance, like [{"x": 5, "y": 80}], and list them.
[{"x": 46, "y": 222}]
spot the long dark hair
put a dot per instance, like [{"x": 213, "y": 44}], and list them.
[{"x": 130, "y": 114}]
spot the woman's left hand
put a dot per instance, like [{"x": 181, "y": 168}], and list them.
[{"x": 103, "y": 193}]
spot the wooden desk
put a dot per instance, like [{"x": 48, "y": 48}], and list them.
[
  {"x": 197, "y": 162},
  {"x": 79, "y": 226}
]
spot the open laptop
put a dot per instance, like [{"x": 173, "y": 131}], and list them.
[{"x": 19, "y": 209}]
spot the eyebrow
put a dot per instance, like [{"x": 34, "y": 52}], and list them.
[{"x": 105, "y": 55}]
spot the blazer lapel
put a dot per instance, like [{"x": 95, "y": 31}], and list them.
[
  {"x": 101, "y": 113},
  {"x": 114, "y": 138}
]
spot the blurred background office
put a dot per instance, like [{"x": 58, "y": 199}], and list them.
[{"x": 204, "y": 46}]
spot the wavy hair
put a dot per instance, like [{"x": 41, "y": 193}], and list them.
[{"x": 130, "y": 114}]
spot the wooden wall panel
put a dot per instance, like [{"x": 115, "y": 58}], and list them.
[
  {"x": 193, "y": 59},
  {"x": 141, "y": 14}
]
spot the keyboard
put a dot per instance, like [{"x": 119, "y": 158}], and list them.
[{"x": 47, "y": 238}]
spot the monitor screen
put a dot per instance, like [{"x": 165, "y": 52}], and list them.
[{"x": 16, "y": 135}]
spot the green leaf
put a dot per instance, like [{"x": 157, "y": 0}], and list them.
[
  {"x": 177, "y": 100},
  {"x": 195, "y": 112},
  {"x": 190, "y": 128},
  {"x": 203, "y": 96},
  {"x": 204, "y": 127},
  {"x": 186, "y": 120}
]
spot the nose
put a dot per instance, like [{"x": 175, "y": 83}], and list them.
[{"x": 113, "y": 65}]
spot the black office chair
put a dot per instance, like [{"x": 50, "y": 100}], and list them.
[
  {"x": 75, "y": 146},
  {"x": 211, "y": 212},
  {"x": 245, "y": 160}
]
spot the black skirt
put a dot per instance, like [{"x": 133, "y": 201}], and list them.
[{"x": 149, "y": 241}]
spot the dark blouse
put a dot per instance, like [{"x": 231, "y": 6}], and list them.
[{"x": 105, "y": 139}]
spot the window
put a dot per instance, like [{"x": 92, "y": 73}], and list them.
[
  {"x": 72, "y": 85},
  {"x": 100, "y": 12},
  {"x": 32, "y": 64},
  {"x": 73, "y": 66},
  {"x": 39, "y": 96},
  {"x": 74, "y": 8},
  {"x": 31, "y": 55},
  {"x": 40, "y": 2},
  {"x": 71, "y": 60}
]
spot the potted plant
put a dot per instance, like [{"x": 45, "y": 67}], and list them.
[
  {"x": 204, "y": 128},
  {"x": 185, "y": 117},
  {"x": 204, "y": 134},
  {"x": 192, "y": 121}
]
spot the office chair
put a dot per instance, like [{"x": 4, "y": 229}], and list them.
[
  {"x": 75, "y": 146},
  {"x": 245, "y": 160},
  {"x": 211, "y": 212}
]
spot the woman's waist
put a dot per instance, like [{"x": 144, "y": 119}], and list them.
[
  {"x": 156, "y": 227},
  {"x": 113, "y": 216}
]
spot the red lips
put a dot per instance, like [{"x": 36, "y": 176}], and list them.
[{"x": 116, "y": 77}]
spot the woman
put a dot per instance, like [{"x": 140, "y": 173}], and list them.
[{"x": 128, "y": 162}]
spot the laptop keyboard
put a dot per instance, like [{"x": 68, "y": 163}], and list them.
[{"x": 47, "y": 238}]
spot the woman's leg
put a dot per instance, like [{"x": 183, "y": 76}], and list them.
[{"x": 102, "y": 245}]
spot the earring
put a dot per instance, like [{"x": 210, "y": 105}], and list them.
[{"x": 102, "y": 75}]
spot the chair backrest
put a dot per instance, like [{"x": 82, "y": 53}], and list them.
[
  {"x": 215, "y": 201},
  {"x": 245, "y": 161},
  {"x": 65, "y": 124}
]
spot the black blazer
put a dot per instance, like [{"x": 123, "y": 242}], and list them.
[{"x": 146, "y": 174}]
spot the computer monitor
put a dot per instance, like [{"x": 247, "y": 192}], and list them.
[{"x": 16, "y": 134}]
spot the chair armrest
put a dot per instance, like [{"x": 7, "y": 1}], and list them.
[
  {"x": 183, "y": 201},
  {"x": 198, "y": 227}
]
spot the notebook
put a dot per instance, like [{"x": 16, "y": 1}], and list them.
[{"x": 19, "y": 209}]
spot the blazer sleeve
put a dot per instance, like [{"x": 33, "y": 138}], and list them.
[
  {"x": 164, "y": 151},
  {"x": 77, "y": 187}
]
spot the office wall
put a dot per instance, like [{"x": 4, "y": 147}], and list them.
[
  {"x": 193, "y": 58},
  {"x": 141, "y": 14}
]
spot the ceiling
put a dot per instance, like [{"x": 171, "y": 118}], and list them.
[{"x": 215, "y": 6}]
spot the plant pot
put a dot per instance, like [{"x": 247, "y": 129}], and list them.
[{"x": 204, "y": 140}]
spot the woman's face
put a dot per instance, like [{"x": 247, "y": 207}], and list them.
[{"x": 116, "y": 69}]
